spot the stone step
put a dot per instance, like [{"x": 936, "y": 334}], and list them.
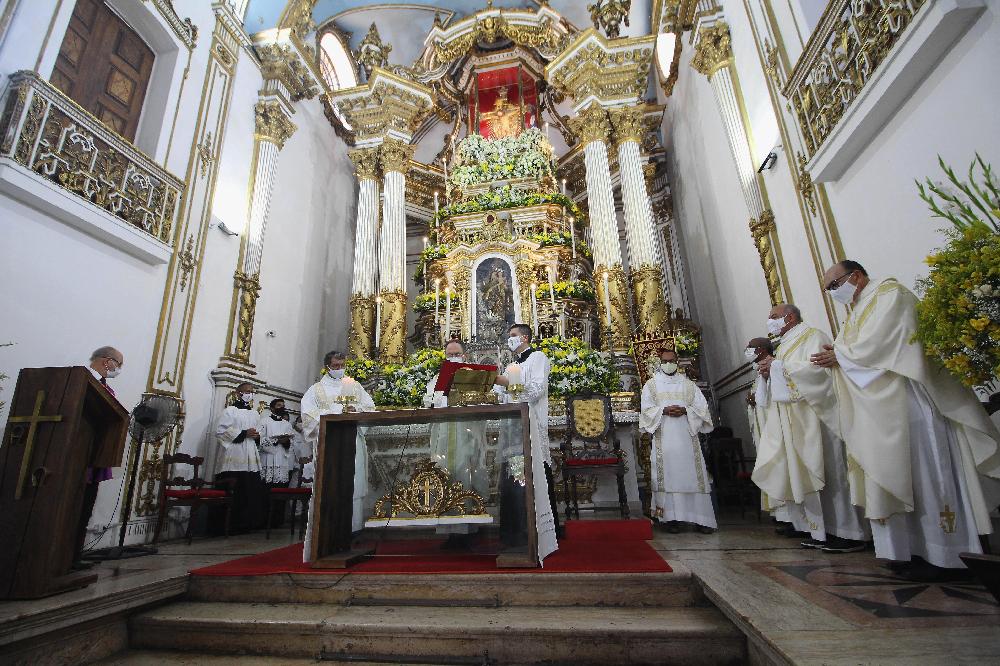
[
  {"x": 422, "y": 635},
  {"x": 673, "y": 589}
]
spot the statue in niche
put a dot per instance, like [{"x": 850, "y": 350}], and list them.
[
  {"x": 494, "y": 299},
  {"x": 505, "y": 118}
]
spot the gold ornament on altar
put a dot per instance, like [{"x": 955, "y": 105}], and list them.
[
  {"x": 505, "y": 118},
  {"x": 430, "y": 493}
]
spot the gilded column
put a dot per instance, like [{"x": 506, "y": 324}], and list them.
[
  {"x": 391, "y": 305},
  {"x": 646, "y": 275},
  {"x": 272, "y": 128},
  {"x": 714, "y": 58},
  {"x": 594, "y": 130},
  {"x": 363, "y": 291}
]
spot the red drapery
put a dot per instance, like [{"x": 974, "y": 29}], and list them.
[{"x": 521, "y": 92}]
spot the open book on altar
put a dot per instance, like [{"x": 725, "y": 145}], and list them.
[{"x": 466, "y": 377}]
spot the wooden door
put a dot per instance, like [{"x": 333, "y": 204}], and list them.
[{"x": 104, "y": 66}]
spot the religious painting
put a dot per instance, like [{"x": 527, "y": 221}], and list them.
[
  {"x": 505, "y": 102},
  {"x": 494, "y": 299}
]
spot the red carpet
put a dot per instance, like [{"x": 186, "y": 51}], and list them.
[{"x": 591, "y": 546}]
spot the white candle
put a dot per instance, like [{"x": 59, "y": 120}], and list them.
[
  {"x": 435, "y": 207},
  {"x": 425, "y": 242},
  {"x": 534, "y": 308},
  {"x": 378, "y": 320},
  {"x": 572, "y": 234},
  {"x": 446, "y": 188},
  {"x": 552, "y": 292},
  {"x": 546, "y": 131},
  {"x": 607, "y": 301},
  {"x": 437, "y": 296},
  {"x": 564, "y": 187},
  {"x": 447, "y": 314}
]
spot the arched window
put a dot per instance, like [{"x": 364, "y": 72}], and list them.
[
  {"x": 335, "y": 63},
  {"x": 665, "y": 43}
]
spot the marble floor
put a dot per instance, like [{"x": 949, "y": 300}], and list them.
[{"x": 804, "y": 606}]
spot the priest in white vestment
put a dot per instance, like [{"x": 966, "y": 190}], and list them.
[
  {"x": 801, "y": 458},
  {"x": 239, "y": 461},
  {"x": 336, "y": 393},
  {"x": 675, "y": 412},
  {"x": 527, "y": 380},
  {"x": 458, "y": 446},
  {"x": 922, "y": 449},
  {"x": 758, "y": 396}
]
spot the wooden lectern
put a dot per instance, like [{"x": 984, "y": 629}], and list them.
[{"x": 61, "y": 422}]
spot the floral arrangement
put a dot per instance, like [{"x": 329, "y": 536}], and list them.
[
  {"x": 430, "y": 253},
  {"x": 958, "y": 319},
  {"x": 425, "y": 302},
  {"x": 576, "y": 368},
  {"x": 404, "y": 385},
  {"x": 560, "y": 238},
  {"x": 362, "y": 370},
  {"x": 686, "y": 343},
  {"x": 482, "y": 160},
  {"x": 577, "y": 289},
  {"x": 501, "y": 198}
]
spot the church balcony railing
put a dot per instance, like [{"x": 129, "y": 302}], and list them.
[
  {"x": 46, "y": 132},
  {"x": 851, "y": 42}
]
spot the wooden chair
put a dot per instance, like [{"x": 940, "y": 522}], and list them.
[
  {"x": 731, "y": 470},
  {"x": 192, "y": 492},
  {"x": 291, "y": 498},
  {"x": 589, "y": 418}
]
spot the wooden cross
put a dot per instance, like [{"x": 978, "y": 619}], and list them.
[
  {"x": 947, "y": 520},
  {"x": 29, "y": 442}
]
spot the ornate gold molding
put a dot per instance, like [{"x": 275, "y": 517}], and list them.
[
  {"x": 592, "y": 124},
  {"x": 540, "y": 33},
  {"x": 386, "y": 105},
  {"x": 392, "y": 333},
  {"x": 609, "y": 15},
  {"x": 185, "y": 29},
  {"x": 629, "y": 124},
  {"x": 366, "y": 163},
  {"x": 360, "y": 340},
  {"x": 650, "y": 307},
  {"x": 713, "y": 50},
  {"x": 612, "y": 71},
  {"x": 281, "y": 62},
  {"x": 272, "y": 124},
  {"x": 395, "y": 156},
  {"x": 615, "y": 337},
  {"x": 248, "y": 287},
  {"x": 372, "y": 52},
  {"x": 761, "y": 231}
]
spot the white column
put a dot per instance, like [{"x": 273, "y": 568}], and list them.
[
  {"x": 260, "y": 205},
  {"x": 603, "y": 224},
  {"x": 392, "y": 239},
  {"x": 365, "y": 264},
  {"x": 638, "y": 212}
]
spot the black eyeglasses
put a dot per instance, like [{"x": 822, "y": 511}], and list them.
[
  {"x": 108, "y": 358},
  {"x": 839, "y": 281}
]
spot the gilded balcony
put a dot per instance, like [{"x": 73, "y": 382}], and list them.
[{"x": 44, "y": 131}]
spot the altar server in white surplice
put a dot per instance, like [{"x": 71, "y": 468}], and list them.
[
  {"x": 675, "y": 411},
  {"x": 277, "y": 457},
  {"x": 923, "y": 450},
  {"x": 530, "y": 374},
  {"x": 239, "y": 461},
  {"x": 801, "y": 457},
  {"x": 458, "y": 446},
  {"x": 333, "y": 394}
]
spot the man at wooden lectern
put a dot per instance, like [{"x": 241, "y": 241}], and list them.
[{"x": 105, "y": 363}]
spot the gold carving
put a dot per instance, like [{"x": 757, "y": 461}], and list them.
[
  {"x": 361, "y": 337},
  {"x": 543, "y": 36},
  {"x": 611, "y": 71},
  {"x": 281, "y": 62},
  {"x": 430, "y": 493},
  {"x": 805, "y": 183},
  {"x": 67, "y": 145},
  {"x": 592, "y": 124},
  {"x": 372, "y": 52},
  {"x": 609, "y": 15},
  {"x": 272, "y": 124},
  {"x": 187, "y": 261},
  {"x": 249, "y": 290},
  {"x": 392, "y": 335},
  {"x": 947, "y": 520},
  {"x": 650, "y": 306},
  {"x": 395, "y": 156},
  {"x": 387, "y": 102},
  {"x": 713, "y": 51},
  {"x": 771, "y": 62},
  {"x": 616, "y": 336},
  {"x": 366, "y": 164},
  {"x": 761, "y": 231},
  {"x": 205, "y": 155},
  {"x": 628, "y": 123},
  {"x": 850, "y": 43},
  {"x": 185, "y": 29}
]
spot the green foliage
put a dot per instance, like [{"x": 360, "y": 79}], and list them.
[
  {"x": 576, "y": 368},
  {"x": 425, "y": 302},
  {"x": 362, "y": 370},
  {"x": 508, "y": 197},
  {"x": 976, "y": 205},
  {"x": 577, "y": 289}
]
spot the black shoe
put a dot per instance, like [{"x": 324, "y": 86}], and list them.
[
  {"x": 673, "y": 527},
  {"x": 784, "y": 530},
  {"x": 813, "y": 543},
  {"x": 897, "y": 566},
  {"x": 79, "y": 565},
  {"x": 838, "y": 545},
  {"x": 704, "y": 529}
]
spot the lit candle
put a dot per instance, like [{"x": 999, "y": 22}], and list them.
[
  {"x": 425, "y": 242},
  {"x": 435, "y": 207},
  {"x": 572, "y": 234},
  {"x": 607, "y": 301},
  {"x": 534, "y": 308},
  {"x": 546, "y": 131},
  {"x": 552, "y": 293},
  {"x": 444, "y": 161},
  {"x": 437, "y": 296},
  {"x": 564, "y": 187},
  {"x": 378, "y": 320},
  {"x": 447, "y": 314}
]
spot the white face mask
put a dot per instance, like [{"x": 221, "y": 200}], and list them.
[
  {"x": 751, "y": 354},
  {"x": 668, "y": 367},
  {"x": 246, "y": 397},
  {"x": 774, "y": 326},
  {"x": 111, "y": 374},
  {"x": 514, "y": 342},
  {"x": 335, "y": 374},
  {"x": 456, "y": 359},
  {"x": 844, "y": 293}
]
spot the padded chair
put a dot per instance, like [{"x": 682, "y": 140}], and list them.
[
  {"x": 192, "y": 492},
  {"x": 590, "y": 420},
  {"x": 730, "y": 470},
  {"x": 290, "y": 498}
]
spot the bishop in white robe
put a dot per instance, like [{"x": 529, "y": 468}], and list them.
[
  {"x": 675, "y": 412},
  {"x": 923, "y": 453},
  {"x": 527, "y": 380},
  {"x": 333, "y": 394},
  {"x": 801, "y": 458},
  {"x": 239, "y": 461}
]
